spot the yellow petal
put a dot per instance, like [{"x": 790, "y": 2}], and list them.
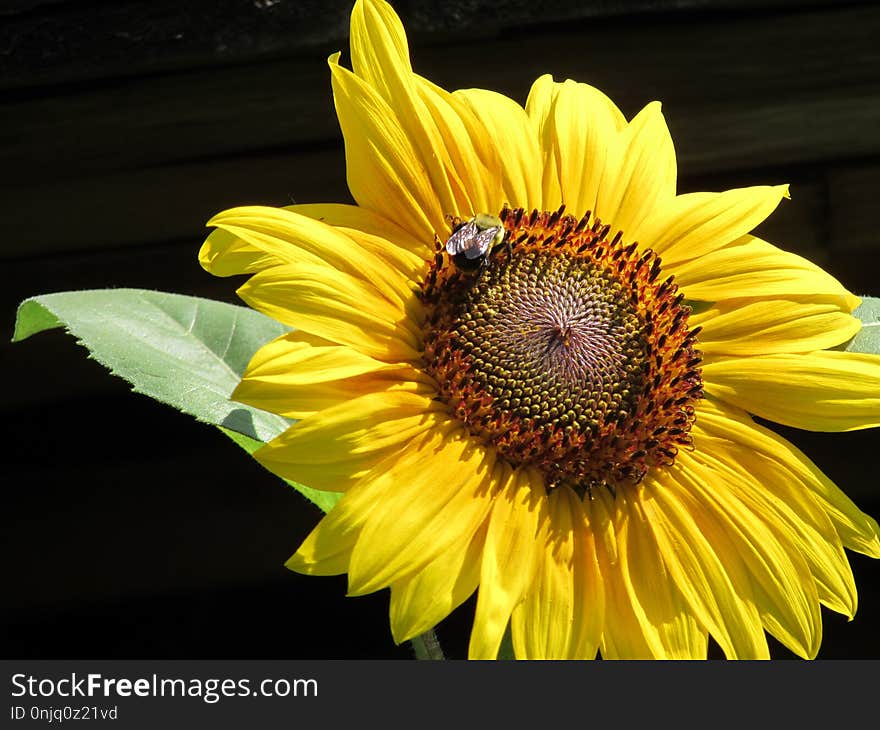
[
  {"x": 292, "y": 359},
  {"x": 695, "y": 224},
  {"x": 676, "y": 520},
  {"x": 751, "y": 267},
  {"x": 589, "y": 590},
  {"x": 350, "y": 437},
  {"x": 384, "y": 171},
  {"x": 336, "y": 306},
  {"x": 473, "y": 163},
  {"x": 327, "y": 549},
  {"x": 302, "y": 401},
  {"x": 770, "y": 326},
  {"x": 296, "y": 239},
  {"x": 819, "y": 391},
  {"x": 857, "y": 530},
  {"x": 791, "y": 513},
  {"x": 785, "y": 594},
  {"x": 539, "y": 109},
  {"x": 380, "y": 56},
  {"x": 379, "y": 49},
  {"x": 639, "y": 174},
  {"x": 294, "y": 376},
  {"x": 427, "y": 512},
  {"x": 420, "y": 602},
  {"x": 667, "y": 621},
  {"x": 225, "y": 254},
  {"x": 577, "y": 126},
  {"x": 550, "y": 623},
  {"x": 508, "y": 563},
  {"x": 623, "y": 634},
  {"x": 515, "y": 139},
  {"x": 382, "y": 237}
]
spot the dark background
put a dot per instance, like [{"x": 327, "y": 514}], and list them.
[{"x": 130, "y": 530}]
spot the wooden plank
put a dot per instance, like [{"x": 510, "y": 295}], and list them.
[
  {"x": 173, "y": 203},
  {"x": 854, "y": 241},
  {"x": 128, "y": 125},
  {"x": 129, "y": 165},
  {"x": 854, "y": 194},
  {"x": 75, "y": 41},
  {"x": 797, "y": 225},
  {"x": 815, "y": 131},
  {"x": 737, "y": 92},
  {"x": 858, "y": 269},
  {"x": 160, "y": 203},
  {"x": 44, "y": 42}
]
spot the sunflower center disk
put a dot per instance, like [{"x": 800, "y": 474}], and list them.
[{"x": 564, "y": 351}]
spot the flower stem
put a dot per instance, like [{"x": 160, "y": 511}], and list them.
[{"x": 426, "y": 646}]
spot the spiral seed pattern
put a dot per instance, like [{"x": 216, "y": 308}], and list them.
[{"x": 564, "y": 351}]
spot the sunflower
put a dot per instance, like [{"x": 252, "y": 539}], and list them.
[{"x": 531, "y": 369}]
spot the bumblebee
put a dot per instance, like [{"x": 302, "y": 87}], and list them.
[{"x": 473, "y": 241}]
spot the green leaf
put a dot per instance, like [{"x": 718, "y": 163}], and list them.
[
  {"x": 184, "y": 351},
  {"x": 324, "y": 500},
  {"x": 868, "y": 338}
]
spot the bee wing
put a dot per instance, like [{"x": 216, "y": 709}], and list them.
[
  {"x": 462, "y": 239},
  {"x": 480, "y": 243}
]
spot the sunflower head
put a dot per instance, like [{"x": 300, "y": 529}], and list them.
[
  {"x": 565, "y": 352},
  {"x": 530, "y": 366}
]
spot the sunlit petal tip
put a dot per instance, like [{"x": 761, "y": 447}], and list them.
[
  {"x": 214, "y": 219},
  {"x": 356, "y": 589},
  {"x": 401, "y": 632},
  {"x": 207, "y": 254},
  {"x": 852, "y": 302},
  {"x": 650, "y": 119},
  {"x": 310, "y": 565},
  {"x": 238, "y": 212},
  {"x": 297, "y": 563}
]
